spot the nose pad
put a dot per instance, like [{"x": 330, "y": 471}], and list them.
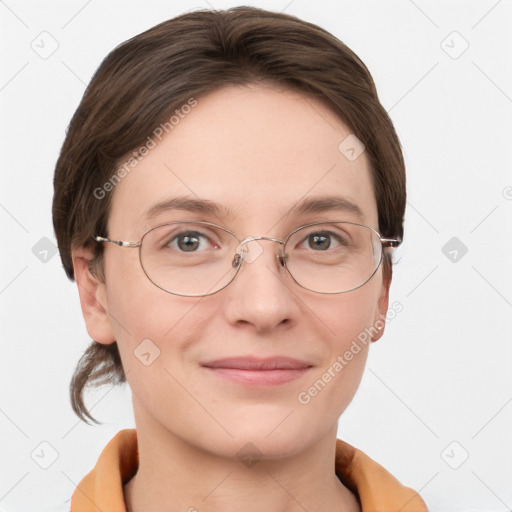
[
  {"x": 236, "y": 260},
  {"x": 250, "y": 253}
]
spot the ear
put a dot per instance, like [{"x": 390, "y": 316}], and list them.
[
  {"x": 93, "y": 297},
  {"x": 379, "y": 320}
]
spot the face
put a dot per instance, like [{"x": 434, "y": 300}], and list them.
[{"x": 257, "y": 151}]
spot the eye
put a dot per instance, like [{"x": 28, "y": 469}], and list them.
[
  {"x": 190, "y": 241},
  {"x": 324, "y": 240}
]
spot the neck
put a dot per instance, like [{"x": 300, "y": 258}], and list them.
[{"x": 174, "y": 475}]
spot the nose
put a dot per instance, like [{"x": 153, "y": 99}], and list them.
[{"x": 260, "y": 295}]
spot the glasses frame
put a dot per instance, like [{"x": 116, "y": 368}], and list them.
[{"x": 387, "y": 243}]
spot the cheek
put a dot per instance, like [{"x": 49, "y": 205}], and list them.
[
  {"x": 152, "y": 331},
  {"x": 141, "y": 314},
  {"x": 351, "y": 316},
  {"x": 349, "y": 320}
]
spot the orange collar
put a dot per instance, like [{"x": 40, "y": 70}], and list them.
[{"x": 101, "y": 490}]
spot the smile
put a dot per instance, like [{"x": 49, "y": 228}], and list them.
[{"x": 252, "y": 371}]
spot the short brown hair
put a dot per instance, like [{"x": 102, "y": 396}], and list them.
[{"x": 145, "y": 79}]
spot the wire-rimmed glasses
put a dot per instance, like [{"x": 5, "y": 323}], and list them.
[{"x": 196, "y": 258}]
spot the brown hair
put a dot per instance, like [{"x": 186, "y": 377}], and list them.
[{"x": 144, "y": 80}]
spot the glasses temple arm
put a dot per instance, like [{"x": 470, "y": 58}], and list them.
[
  {"x": 391, "y": 242},
  {"x": 120, "y": 243}
]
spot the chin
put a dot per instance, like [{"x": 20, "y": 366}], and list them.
[{"x": 273, "y": 438}]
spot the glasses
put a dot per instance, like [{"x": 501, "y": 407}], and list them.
[{"x": 197, "y": 258}]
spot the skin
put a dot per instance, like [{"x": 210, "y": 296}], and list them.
[{"x": 258, "y": 150}]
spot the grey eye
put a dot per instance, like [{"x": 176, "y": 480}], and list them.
[
  {"x": 189, "y": 241},
  {"x": 319, "y": 241}
]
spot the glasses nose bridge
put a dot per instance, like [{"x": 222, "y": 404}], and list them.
[
  {"x": 251, "y": 238},
  {"x": 280, "y": 257}
]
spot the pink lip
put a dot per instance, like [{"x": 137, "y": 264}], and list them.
[{"x": 258, "y": 372}]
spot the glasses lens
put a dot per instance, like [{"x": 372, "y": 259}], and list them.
[
  {"x": 189, "y": 258},
  {"x": 333, "y": 257}
]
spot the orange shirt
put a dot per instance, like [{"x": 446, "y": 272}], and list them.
[{"x": 101, "y": 490}]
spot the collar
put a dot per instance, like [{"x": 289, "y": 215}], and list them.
[{"x": 101, "y": 490}]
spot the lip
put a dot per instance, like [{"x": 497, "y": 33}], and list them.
[{"x": 261, "y": 372}]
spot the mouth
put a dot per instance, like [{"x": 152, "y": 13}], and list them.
[{"x": 251, "y": 371}]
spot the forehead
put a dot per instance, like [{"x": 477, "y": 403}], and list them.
[{"x": 253, "y": 154}]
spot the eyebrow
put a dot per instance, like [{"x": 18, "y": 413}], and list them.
[
  {"x": 319, "y": 204},
  {"x": 187, "y": 204},
  {"x": 325, "y": 204}
]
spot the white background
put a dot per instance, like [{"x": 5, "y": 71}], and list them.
[{"x": 442, "y": 372}]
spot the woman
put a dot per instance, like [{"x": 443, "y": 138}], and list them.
[{"x": 228, "y": 198}]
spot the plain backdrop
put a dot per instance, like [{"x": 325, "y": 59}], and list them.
[{"x": 435, "y": 404}]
